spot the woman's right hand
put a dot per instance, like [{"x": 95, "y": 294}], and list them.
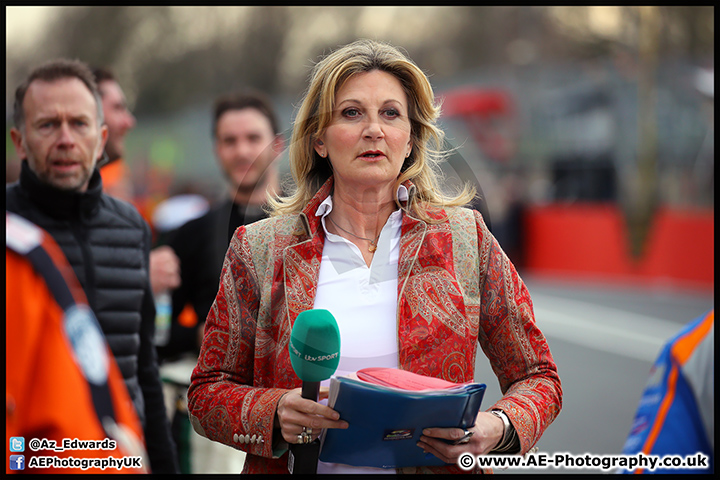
[{"x": 295, "y": 412}]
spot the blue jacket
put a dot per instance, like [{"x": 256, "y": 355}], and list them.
[{"x": 676, "y": 412}]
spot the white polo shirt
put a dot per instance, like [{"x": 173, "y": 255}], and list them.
[{"x": 363, "y": 300}]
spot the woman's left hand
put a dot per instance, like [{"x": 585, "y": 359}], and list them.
[{"x": 487, "y": 432}]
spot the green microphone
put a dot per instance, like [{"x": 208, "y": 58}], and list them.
[
  {"x": 314, "y": 350},
  {"x": 314, "y": 346}
]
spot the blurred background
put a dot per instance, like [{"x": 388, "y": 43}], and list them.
[
  {"x": 588, "y": 125},
  {"x": 589, "y": 131}
]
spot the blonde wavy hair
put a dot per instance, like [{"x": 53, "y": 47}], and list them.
[{"x": 310, "y": 171}]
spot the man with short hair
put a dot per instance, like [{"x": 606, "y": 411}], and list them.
[
  {"x": 59, "y": 135},
  {"x": 247, "y": 141},
  {"x": 119, "y": 121}
]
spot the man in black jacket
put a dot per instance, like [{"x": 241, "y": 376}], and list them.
[
  {"x": 59, "y": 135},
  {"x": 247, "y": 141}
]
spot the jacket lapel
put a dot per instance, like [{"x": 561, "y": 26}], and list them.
[
  {"x": 302, "y": 259},
  {"x": 412, "y": 235}
]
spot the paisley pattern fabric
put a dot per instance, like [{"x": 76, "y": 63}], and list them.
[{"x": 456, "y": 289}]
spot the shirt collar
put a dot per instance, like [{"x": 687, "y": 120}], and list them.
[{"x": 326, "y": 206}]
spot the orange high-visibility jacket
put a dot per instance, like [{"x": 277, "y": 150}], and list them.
[{"x": 62, "y": 380}]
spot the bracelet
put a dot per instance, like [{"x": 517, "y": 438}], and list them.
[{"x": 508, "y": 440}]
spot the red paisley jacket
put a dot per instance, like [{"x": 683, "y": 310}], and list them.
[{"x": 456, "y": 288}]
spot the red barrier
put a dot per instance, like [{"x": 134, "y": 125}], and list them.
[{"x": 592, "y": 240}]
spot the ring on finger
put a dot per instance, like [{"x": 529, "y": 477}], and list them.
[
  {"x": 465, "y": 438},
  {"x": 304, "y": 437},
  {"x": 308, "y": 430}
]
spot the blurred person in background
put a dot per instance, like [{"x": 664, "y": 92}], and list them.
[
  {"x": 60, "y": 134},
  {"x": 247, "y": 141},
  {"x": 63, "y": 382},
  {"x": 117, "y": 181},
  {"x": 116, "y": 177},
  {"x": 676, "y": 414},
  {"x": 414, "y": 280}
]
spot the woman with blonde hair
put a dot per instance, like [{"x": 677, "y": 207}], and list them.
[
  {"x": 414, "y": 280},
  {"x": 310, "y": 170}
]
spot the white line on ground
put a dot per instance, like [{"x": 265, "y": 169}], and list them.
[{"x": 602, "y": 328}]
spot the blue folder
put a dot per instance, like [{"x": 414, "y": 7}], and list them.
[{"x": 385, "y": 423}]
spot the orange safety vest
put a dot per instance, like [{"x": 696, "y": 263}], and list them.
[
  {"x": 117, "y": 182},
  {"x": 67, "y": 407}
]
